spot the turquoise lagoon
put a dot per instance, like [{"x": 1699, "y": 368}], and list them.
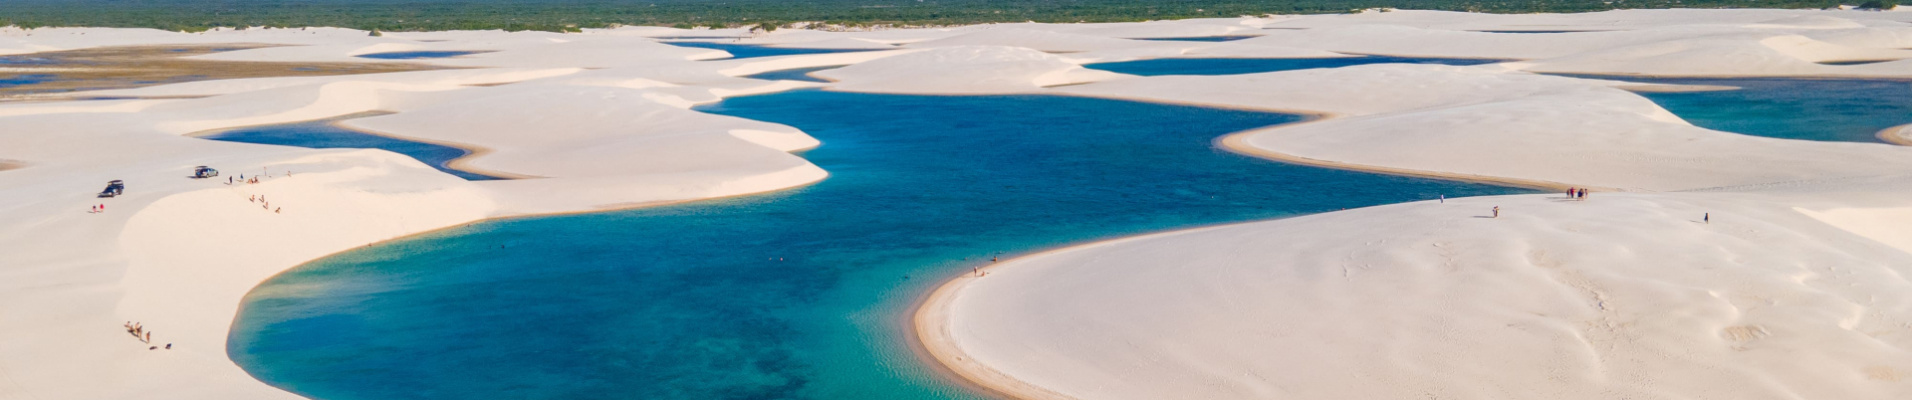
[
  {"x": 1840, "y": 110},
  {"x": 797, "y": 294}
]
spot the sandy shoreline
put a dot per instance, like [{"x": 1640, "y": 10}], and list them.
[
  {"x": 932, "y": 316},
  {"x": 1898, "y": 135},
  {"x": 461, "y": 163},
  {"x": 931, "y": 323},
  {"x": 1237, "y": 143}
]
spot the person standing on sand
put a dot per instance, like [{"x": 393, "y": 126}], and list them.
[
  {"x": 1570, "y": 192},
  {"x": 1443, "y": 199},
  {"x": 1496, "y": 211},
  {"x": 1707, "y": 219}
]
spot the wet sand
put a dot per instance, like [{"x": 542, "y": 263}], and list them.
[{"x": 139, "y": 66}]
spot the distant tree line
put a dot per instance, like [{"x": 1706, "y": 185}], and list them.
[{"x": 572, "y": 15}]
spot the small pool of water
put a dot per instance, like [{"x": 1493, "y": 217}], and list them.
[
  {"x": 25, "y": 79},
  {"x": 1203, "y": 38},
  {"x": 798, "y": 294},
  {"x": 1840, "y": 110},
  {"x": 1232, "y": 66},
  {"x": 753, "y": 51},
  {"x": 413, "y": 55},
  {"x": 325, "y": 135},
  {"x": 794, "y": 74},
  {"x": 1857, "y": 62},
  {"x": 27, "y": 59},
  {"x": 1537, "y": 31}
]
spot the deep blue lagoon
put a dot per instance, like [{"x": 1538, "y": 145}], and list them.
[
  {"x": 1841, "y": 110},
  {"x": 324, "y": 135},
  {"x": 1233, "y": 66},
  {"x": 803, "y": 293}
]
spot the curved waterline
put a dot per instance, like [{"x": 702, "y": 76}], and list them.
[
  {"x": 418, "y": 55},
  {"x": 1821, "y": 109},
  {"x": 326, "y": 134},
  {"x": 740, "y": 51},
  {"x": 1233, "y": 66},
  {"x": 794, "y": 294}
]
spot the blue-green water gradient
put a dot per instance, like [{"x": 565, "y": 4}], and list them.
[
  {"x": 797, "y": 294},
  {"x": 1840, "y": 110}
]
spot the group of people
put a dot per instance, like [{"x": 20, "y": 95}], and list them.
[
  {"x": 100, "y": 208},
  {"x": 1576, "y": 193},
  {"x": 1573, "y": 193},
  {"x": 255, "y": 178},
  {"x": 144, "y": 336},
  {"x": 261, "y": 199}
]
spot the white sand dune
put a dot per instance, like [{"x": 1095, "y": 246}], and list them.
[
  {"x": 1531, "y": 129},
  {"x": 1794, "y": 291},
  {"x": 1621, "y": 296},
  {"x": 177, "y": 254},
  {"x": 963, "y": 70}
]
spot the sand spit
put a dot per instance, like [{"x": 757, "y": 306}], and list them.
[
  {"x": 1899, "y": 135},
  {"x": 1594, "y": 297}
]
